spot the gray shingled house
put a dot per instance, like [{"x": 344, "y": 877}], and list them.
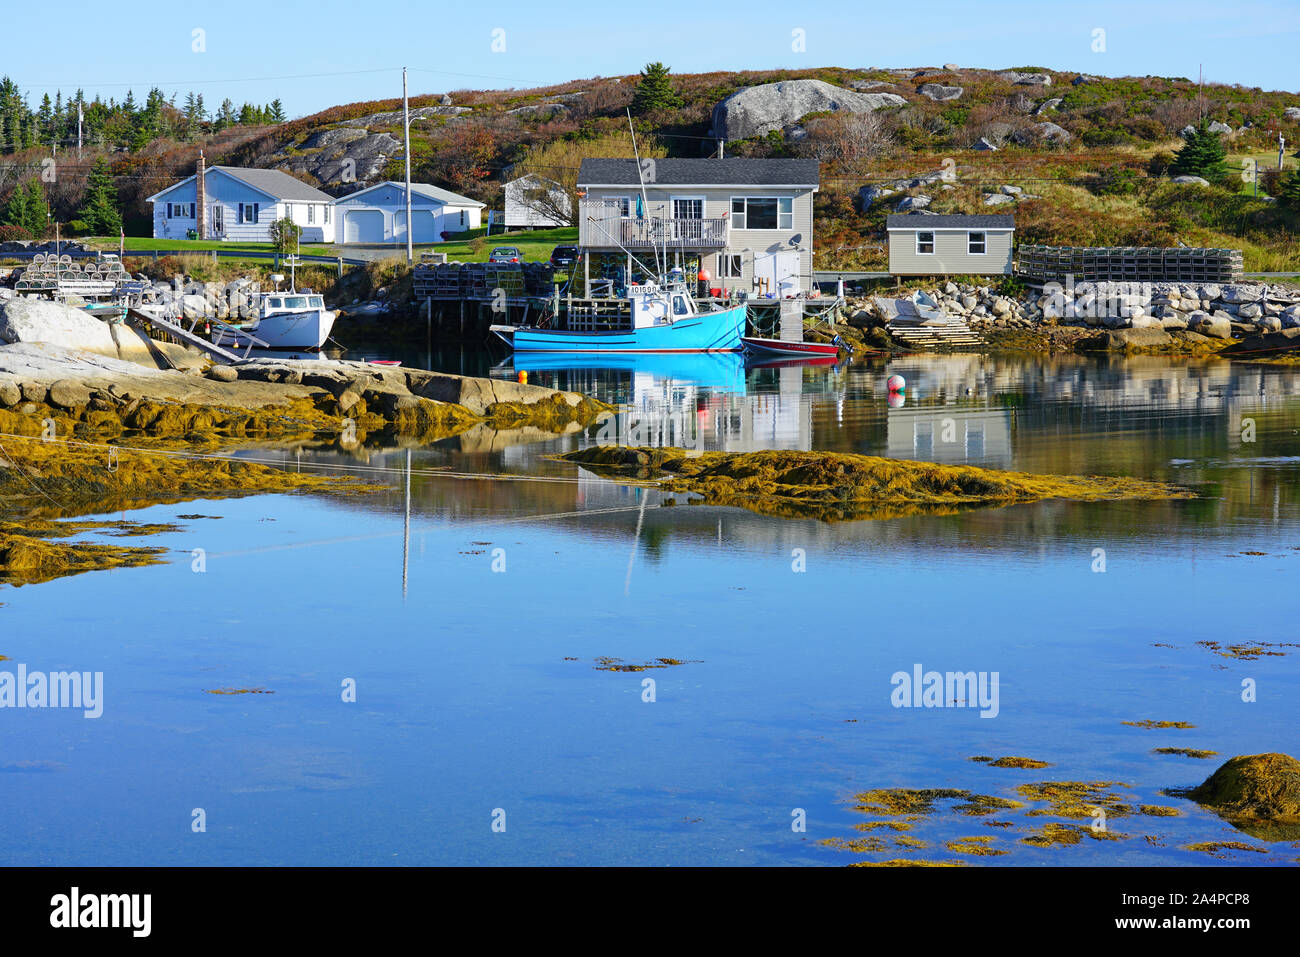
[
  {"x": 950, "y": 245},
  {"x": 749, "y": 222}
]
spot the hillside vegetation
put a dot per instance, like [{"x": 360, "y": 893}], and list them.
[{"x": 1091, "y": 156}]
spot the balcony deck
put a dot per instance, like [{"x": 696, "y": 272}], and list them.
[{"x": 631, "y": 232}]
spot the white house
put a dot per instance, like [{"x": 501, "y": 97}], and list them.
[
  {"x": 748, "y": 222},
  {"x": 534, "y": 202},
  {"x": 377, "y": 214},
  {"x": 240, "y": 205}
]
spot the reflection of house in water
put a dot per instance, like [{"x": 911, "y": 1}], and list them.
[
  {"x": 664, "y": 411},
  {"x": 951, "y": 436}
]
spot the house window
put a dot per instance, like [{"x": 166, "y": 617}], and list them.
[
  {"x": 925, "y": 243},
  {"x": 288, "y": 210},
  {"x": 762, "y": 212},
  {"x": 327, "y": 215},
  {"x": 688, "y": 209},
  {"x": 462, "y": 217},
  {"x": 180, "y": 210},
  {"x": 619, "y": 205},
  {"x": 311, "y": 214},
  {"x": 248, "y": 212},
  {"x": 975, "y": 244},
  {"x": 729, "y": 267}
]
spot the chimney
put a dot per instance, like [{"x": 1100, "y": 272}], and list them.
[{"x": 201, "y": 200}]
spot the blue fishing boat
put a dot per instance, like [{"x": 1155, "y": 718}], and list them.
[{"x": 650, "y": 318}]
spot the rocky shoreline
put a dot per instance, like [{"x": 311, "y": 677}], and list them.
[{"x": 1233, "y": 319}]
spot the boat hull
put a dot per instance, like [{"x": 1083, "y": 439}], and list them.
[
  {"x": 307, "y": 330},
  {"x": 718, "y": 331},
  {"x": 778, "y": 347}
]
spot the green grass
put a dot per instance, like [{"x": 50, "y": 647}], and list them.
[{"x": 535, "y": 245}]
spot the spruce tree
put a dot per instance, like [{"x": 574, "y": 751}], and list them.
[
  {"x": 1204, "y": 155},
  {"x": 1289, "y": 193},
  {"x": 654, "y": 91},
  {"x": 99, "y": 214}
]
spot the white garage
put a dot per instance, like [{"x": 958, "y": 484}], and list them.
[
  {"x": 363, "y": 226},
  {"x": 426, "y": 226},
  {"x": 377, "y": 214}
]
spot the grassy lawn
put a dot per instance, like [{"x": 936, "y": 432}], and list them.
[
  {"x": 535, "y": 245},
  {"x": 110, "y": 244}
]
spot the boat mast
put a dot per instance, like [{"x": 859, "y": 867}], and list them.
[{"x": 645, "y": 202}]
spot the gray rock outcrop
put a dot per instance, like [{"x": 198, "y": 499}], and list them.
[{"x": 757, "y": 110}]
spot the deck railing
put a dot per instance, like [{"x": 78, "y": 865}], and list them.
[{"x": 631, "y": 232}]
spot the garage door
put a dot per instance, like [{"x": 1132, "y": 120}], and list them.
[
  {"x": 426, "y": 224},
  {"x": 363, "y": 226}
]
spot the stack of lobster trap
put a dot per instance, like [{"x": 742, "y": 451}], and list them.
[{"x": 63, "y": 276}]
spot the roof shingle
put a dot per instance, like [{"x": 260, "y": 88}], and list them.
[
  {"x": 948, "y": 221},
  {"x": 703, "y": 172}
]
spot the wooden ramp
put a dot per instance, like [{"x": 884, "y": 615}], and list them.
[
  {"x": 190, "y": 337},
  {"x": 955, "y": 333}
]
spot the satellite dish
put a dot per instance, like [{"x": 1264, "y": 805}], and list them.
[{"x": 796, "y": 239}]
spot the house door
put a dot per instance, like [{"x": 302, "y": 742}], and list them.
[
  {"x": 218, "y": 219},
  {"x": 776, "y": 274},
  {"x": 687, "y": 217}
]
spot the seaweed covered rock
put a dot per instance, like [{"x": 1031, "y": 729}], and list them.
[
  {"x": 1259, "y": 793},
  {"x": 839, "y": 485}
]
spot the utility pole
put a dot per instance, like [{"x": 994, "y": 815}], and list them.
[
  {"x": 1281, "y": 149},
  {"x": 80, "y": 117},
  {"x": 406, "y": 127}
]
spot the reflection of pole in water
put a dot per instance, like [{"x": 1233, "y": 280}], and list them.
[
  {"x": 640, "y": 516},
  {"x": 719, "y": 531},
  {"x": 406, "y": 525}
]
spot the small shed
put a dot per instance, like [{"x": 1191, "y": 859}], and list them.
[
  {"x": 534, "y": 202},
  {"x": 377, "y": 214},
  {"x": 950, "y": 245}
]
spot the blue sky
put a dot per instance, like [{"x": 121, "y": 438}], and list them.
[{"x": 330, "y": 52}]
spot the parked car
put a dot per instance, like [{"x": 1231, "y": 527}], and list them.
[
  {"x": 505, "y": 254},
  {"x": 564, "y": 256}
]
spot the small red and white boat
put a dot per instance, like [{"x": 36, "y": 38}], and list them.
[{"x": 779, "y": 347}]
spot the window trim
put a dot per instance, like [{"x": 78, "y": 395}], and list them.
[
  {"x": 983, "y": 242},
  {"x": 724, "y": 264},
  {"x": 919, "y": 234},
  {"x": 744, "y": 216},
  {"x": 687, "y": 198}
]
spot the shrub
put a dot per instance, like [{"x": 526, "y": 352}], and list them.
[
  {"x": 1160, "y": 163},
  {"x": 9, "y": 234},
  {"x": 1116, "y": 181}
]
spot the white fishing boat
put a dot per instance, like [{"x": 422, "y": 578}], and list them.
[{"x": 284, "y": 320}]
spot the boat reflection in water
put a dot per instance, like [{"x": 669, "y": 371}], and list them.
[{"x": 704, "y": 401}]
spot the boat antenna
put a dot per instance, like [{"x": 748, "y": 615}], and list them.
[{"x": 644, "y": 201}]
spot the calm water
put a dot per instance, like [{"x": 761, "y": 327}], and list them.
[{"x": 476, "y": 686}]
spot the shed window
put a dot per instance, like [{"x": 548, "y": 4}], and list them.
[
  {"x": 925, "y": 243},
  {"x": 975, "y": 244}
]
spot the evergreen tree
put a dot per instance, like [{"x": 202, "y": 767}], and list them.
[
  {"x": 1204, "y": 155},
  {"x": 99, "y": 214},
  {"x": 27, "y": 208},
  {"x": 1289, "y": 194},
  {"x": 654, "y": 91},
  {"x": 276, "y": 110}
]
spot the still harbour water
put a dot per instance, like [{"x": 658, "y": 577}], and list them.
[{"x": 484, "y": 729}]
